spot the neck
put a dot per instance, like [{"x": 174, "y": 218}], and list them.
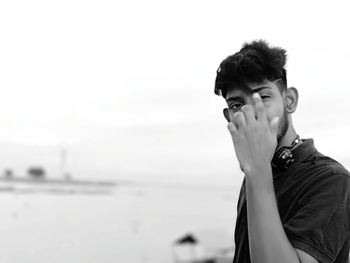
[{"x": 289, "y": 137}]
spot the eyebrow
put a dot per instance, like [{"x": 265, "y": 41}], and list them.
[
  {"x": 251, "y": 92},
  {"x": 234, "y": 98},
  {"x": 258, "y": 89}
]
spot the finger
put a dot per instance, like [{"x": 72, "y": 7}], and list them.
[
  {"x": 230, "y": 117},
  {"x": 227, "y": 114},
  {"x": 259, "y": 107},
  {"x": 232, "y": 128},
  {"x": 239, "y": 119},
  {"x": 274, "y": 125},
  {"x": 249, "y": 114},
  {"x": 231, "y": 112}
]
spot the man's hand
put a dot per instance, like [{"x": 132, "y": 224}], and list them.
[{"x": 254, "y": 138}]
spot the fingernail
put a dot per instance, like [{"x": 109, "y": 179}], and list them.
[{"x": 256, "y": 96}]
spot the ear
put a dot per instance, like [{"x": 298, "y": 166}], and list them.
[
  {"x": 291, "y": 97},
  {"x": 227, "y": 114}
]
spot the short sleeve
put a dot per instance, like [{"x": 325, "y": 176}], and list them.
[{"x": 320, "y": 224}]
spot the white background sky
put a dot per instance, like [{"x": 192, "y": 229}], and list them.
[{"x": 127, "y": 86}]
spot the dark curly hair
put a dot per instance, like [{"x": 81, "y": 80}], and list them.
[{"x": 255, "y": 62}]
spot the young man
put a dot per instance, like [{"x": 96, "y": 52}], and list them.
[{"x": 294, "y": 204}]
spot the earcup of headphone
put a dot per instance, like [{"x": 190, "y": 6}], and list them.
[{"x": 283, "y": 158}]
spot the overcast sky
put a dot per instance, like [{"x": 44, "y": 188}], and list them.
[{"x": 127, "y": 86}]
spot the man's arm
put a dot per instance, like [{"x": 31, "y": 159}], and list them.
[
  {"x": 267, "y": 239},
  {"x": 305, "y": 257},
  {"x": 255, "y": 140}
]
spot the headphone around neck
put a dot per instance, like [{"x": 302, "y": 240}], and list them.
[{"x": 283, "y": 157}]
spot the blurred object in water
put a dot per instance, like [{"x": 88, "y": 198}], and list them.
[
  {"x": 204, "y": 246},
  {"x": 8, "y": 174},
  {"x": 36, "y": 172}
]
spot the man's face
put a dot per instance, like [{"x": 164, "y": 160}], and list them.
[{"x": 271, "y": 96}]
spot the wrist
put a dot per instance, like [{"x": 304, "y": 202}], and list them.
[
  {"x": 259, "y": 170},
  {"x": 259, "y": 176}
]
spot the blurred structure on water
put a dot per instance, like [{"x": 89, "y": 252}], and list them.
[
  {"x": 204, "y": 246},
  {"x": 37, "y": 181}
]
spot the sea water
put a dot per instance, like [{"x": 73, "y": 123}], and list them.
[{"x": 132, "y": 224}]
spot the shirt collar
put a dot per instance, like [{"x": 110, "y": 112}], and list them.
[{"x": 303, "y": 151}]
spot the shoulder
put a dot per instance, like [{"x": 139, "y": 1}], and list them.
[
  {"x": 326, "y": 177},
  {"x": 323, "y": 167}
]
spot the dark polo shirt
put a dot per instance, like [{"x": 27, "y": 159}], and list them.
[{"x": 313, "y": 198}]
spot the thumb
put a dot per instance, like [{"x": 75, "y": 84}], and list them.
[{"x": 274, "y": 125}]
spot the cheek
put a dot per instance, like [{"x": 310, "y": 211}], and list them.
[{"x": 274, "y": 110}]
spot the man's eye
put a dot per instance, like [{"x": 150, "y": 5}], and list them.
[
  {"x": 265, "y": 96},
  {"x": 236, "y": 106}
]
